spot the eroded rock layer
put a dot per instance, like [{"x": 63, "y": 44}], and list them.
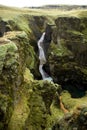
[{"x": 26, "y": 101}]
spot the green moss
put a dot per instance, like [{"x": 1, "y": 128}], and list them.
[
  {"x": 56, "y": 114},
  {"x": 20, "y": 114},
  {"x": 74, "y": 32},
  {"x": 28, "y": 77},
  {"x": 59, "y": 50},
  {"x": 71, "y": 103},
  {"x": 85, "y": 34},
  {"x": 22, "y": 24},
  {"x": 7, "y": 51},
  {"x": 4, "y": 101},
  {"x": 84, "y": 70},
  {"x": 5, "y": 109},
  {"x": 26, "y": 54},
  {"x": 39, "y": 103},
  {"x": 33, "y": 102},
  {"x": 37, "y": 118},
  {"x": 30, "y": 61},
  {"x": 1, "y": 126}
]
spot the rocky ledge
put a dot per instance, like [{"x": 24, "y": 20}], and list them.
[{"x": 26, "y": 101}]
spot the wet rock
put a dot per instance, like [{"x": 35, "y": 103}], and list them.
[
  {"x": 47, "y": 38},
  {"x": 2, "y": 27},
  {"x": 29, "y": 104}
]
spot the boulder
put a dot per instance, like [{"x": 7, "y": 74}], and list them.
[
  {"x": 73, "y": 121},
  {"x": 2, "y": 27}
]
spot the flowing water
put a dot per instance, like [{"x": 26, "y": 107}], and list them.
[{"x": 42, "y": 59}]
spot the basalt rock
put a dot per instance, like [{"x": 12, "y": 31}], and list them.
[
  {"x": 47, "y": 38},
  {"x": 24, "y": 102},
  {"x": 2, "y": 27},
  {"x": 30, "y": 104},
  {"x": 67, "y": 53},
  {"x": 13, "y": 63},
  {"x": 41, "y": 99},
  {"x": 14, "y": 56},
  {"x": 73, "y": 121}
]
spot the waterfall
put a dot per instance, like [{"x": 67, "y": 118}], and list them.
[{"x": 42, "y": 59}]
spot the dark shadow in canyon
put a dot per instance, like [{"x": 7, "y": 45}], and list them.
[{"x": 76, "y": 90}]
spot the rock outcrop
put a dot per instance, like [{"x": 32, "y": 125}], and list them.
[
  {"x": 16, "y": 54},
  {"x": 73, "y": 121},
  {"x": 67, "y": 55},
  {"x": 26, "y": 101},
  {"x": 2, "y": 27}
]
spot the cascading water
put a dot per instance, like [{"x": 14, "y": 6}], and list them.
[{"x": 42, "y": 59}]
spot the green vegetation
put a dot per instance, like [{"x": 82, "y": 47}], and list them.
[
  {"x": 10, "y": 13},
  {"x": 72, "y": 103},
  {"x": 29, "y": 103}
]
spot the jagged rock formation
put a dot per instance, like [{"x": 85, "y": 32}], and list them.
[
  {"x": 13, "y": 62},
  {"x": 68, "y": 51},
  {"x": 27, "y": 103},
  {"x": 21, "y": 97},
  {"x": 73, "y": 121},
  {"x": 2, "y": 27}
]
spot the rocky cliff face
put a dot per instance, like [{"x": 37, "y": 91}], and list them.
[
  {"x": 27, "y": 102},
  {"x": 68, "y": 50},
  {"x": 24, "y": 102}
]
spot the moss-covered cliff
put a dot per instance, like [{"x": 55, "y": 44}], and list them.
[
  {"x": 26, "y": 101},
  {"x": 68, "y": 50}
]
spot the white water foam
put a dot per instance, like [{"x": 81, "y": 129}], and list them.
[{"x": 42, "y": 59}]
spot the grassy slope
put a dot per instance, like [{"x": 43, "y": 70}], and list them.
[
  {"x": 22, "y": 16},
  {"x": 11, "y": 12}
]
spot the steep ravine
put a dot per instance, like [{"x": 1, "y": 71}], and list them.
[
  {"x": 43, "y": 46},
  {"x": 68, "y": 68},
  {"x": 27, "y": 103}
]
